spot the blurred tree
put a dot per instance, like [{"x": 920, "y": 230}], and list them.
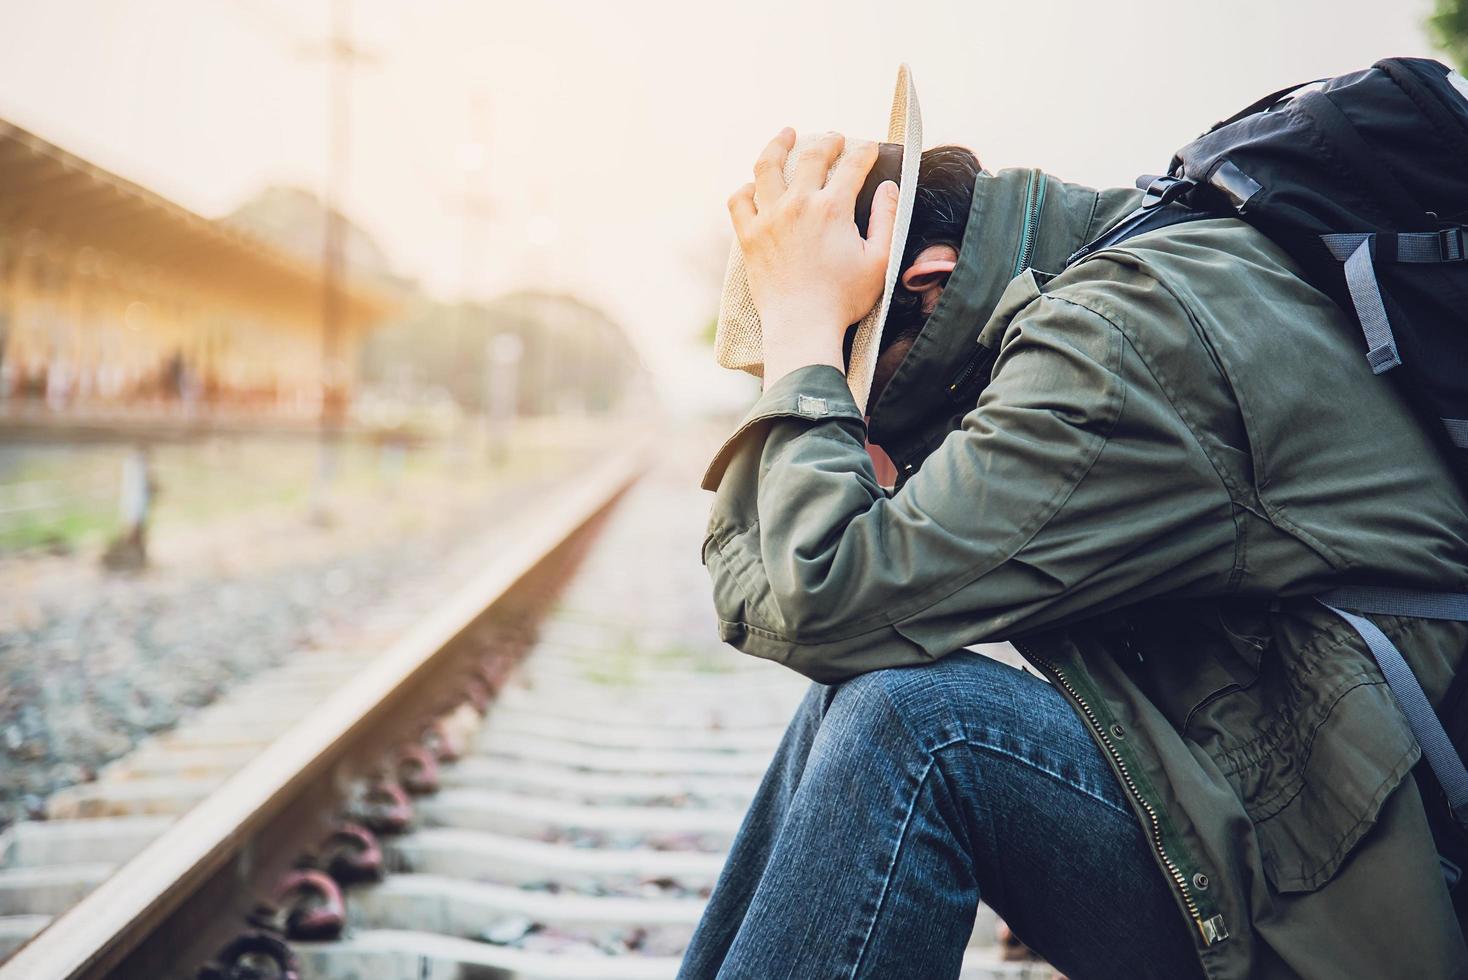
[
  {"x": 1448, "y": 26},
  {"x": 574, "y": 357},
  {"x": 293, "y": 218}
]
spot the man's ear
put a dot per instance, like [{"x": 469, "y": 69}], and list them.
[{"x": 929, "y": 273}]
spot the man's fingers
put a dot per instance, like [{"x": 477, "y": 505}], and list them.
[
  {"x": 814, "y": 160},
  {"x": 769, "y": 168},
  {"x": 845, "y": 182},
  {"x": 741, "y": 209},
  {"x": 884, "y": 217}
]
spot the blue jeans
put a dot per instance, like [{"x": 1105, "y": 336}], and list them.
[{"x": 900, "y": 798}]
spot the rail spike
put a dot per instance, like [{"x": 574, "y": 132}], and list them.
[
  {"x": 477, "y": 693},
  {"x": 445, "y": 746},
  {"x": 384, "y": 807},
  {"x": 313, "y": 905},
  {"x": 351, "y": 855},
  {"x": 417, "y": 769},
  {"x": 259, "y": 954}
]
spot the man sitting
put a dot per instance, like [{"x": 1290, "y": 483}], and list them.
[{"x": 1140, "y": 469}]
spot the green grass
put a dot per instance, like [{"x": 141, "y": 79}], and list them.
[
  {"x": 200, "y": 483},
  {"x": 66, "y": 530},
  {"x": 618, "y": 666}
]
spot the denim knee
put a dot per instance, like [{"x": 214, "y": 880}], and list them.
[{"x": 909, "y": 705}]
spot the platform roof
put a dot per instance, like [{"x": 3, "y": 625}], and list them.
[{"x": 66, "y": 198}]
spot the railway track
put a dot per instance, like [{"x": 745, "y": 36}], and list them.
[{"x": 539, "y": 781}]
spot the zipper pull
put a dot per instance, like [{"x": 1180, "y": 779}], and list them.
[{"x": 981, "y": 361}]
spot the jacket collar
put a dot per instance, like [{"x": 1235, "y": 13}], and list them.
[{"x": 926, "y": 393}]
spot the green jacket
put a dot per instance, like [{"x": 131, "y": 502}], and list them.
[{"x": 1179, "y": 443}]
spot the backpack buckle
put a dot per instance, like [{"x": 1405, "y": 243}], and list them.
[
  {"x": 1451, "y": 241},
  {"x": 1164, "y": 190}
]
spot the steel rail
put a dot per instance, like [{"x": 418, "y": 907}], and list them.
[{"x": 161, "y": 912}]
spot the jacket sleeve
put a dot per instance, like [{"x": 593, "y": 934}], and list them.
[{"x": 1072, "y": 488}]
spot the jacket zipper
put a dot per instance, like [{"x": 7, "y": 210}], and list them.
[
  {"x": 970, "y": 368},
  {"x": 1213, "y": 930},
  {"x": 1034, "y": 201}
]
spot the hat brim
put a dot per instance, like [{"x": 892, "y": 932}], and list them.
[{"x": 738, "y": 340}]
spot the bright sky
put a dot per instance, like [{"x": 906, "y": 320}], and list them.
[{"x": 615, "y": 129}]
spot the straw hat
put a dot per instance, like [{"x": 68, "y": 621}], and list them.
[{"x": 737, "y": 341}]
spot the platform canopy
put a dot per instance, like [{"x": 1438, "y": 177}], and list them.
[{"x": 60, "y": 199}]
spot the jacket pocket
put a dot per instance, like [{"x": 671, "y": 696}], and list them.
[
  {"x": 1328, "y": 747},
  {"x": 1188, "y": 655},
  {"x": 1345, "y": 769},
  {"x": 1296, "y": 717}
]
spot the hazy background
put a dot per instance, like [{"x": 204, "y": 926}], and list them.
[
  {"x": 613, "y": 132},
  {"x": 219, "y": 462}
]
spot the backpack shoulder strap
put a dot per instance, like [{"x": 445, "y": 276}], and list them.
[
  {"x": 1266, "y": 103},
  {"x": 1428, "y": 729},
  {"x": 1158, "y": 212}
]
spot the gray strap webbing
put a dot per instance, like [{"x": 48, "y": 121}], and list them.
[
  {"x": 1399, "y": 602},
  {"x": 1409, "y": 247},
  {"x": 1430, "y": 246},
  {"x": 1437, "y": 748},
  {"x": 1341, "y": 246},
  {"x": 1381, "y": 346},
  {"x": 1457, "y": 431}
]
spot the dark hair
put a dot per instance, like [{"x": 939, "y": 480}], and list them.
[{"x": 945, "y": 191}]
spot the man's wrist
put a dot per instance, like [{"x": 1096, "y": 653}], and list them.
[
  {"x": 797, "y": 344},
  {"x": 775, "y": 370}
]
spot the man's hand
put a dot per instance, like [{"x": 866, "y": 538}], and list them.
[{"x": 811, "y": 273}]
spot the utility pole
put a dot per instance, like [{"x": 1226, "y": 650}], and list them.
[
  {"x": 475, "y": 205},
  {"x": 477, "y": 210},
  {"x": 342, "y": 56}
]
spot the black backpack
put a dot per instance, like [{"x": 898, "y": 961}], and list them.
[{"x": 1363, "y": 180}]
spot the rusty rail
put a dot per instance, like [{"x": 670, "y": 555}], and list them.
[{"x": 165, "y": 911}]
